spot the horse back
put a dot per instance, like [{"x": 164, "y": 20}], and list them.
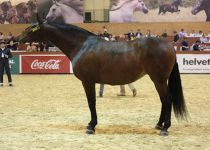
[{"x": 120, "y": 62}]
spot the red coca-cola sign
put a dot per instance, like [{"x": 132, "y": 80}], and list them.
[{"x": 45, "y": 64}]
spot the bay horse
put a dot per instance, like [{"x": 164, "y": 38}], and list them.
[
  {"x": 65, "y": 13},
  {"x": 95, "y": 60},
  {"x": 202, "y": 5},
  {"x": 123, "y": 11},
  {"x": 173, "y": 7}
]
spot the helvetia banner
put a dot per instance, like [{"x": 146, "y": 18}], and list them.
[{"x": 194, "y": 63}]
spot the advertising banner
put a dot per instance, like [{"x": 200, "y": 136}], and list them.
[
  {"x": 194, "y": 63},
  {"x": 14, "y": 64},
  {"x": 24, "y": 11},
  {"x": 159, "y": 11},
  {"x": 45, "y": 64}
]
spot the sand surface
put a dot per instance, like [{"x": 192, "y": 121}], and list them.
[{"x": 50, "y": 112}]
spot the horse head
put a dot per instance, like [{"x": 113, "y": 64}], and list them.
[
  {"x": 55, "y": 12},
  {"x": 33, "y": 32},
  {"x": 199, "y": 5},
  {"x": 140, "y": 6}
]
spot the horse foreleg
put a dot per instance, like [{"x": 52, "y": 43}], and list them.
[
  {"x": 91, "y": 97},
  {"x": 165, "y": 117}
]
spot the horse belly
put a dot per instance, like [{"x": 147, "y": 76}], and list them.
[{"x": 119, "y": 74}]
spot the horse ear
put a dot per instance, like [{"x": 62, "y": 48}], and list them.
[{"x": 39, "y": 19}]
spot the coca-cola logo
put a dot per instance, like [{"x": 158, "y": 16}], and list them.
[{"x": 51, "y": 64}]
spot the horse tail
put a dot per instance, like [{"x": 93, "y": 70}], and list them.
[{"x": 175, "y": 87}]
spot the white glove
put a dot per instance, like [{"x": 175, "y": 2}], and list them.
[{"x": 6, "y": 56}]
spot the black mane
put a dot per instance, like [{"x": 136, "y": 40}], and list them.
[{"x": 70, "y": 27}]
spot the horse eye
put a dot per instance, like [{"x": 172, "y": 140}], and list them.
[{"x": 54, "y": 9}]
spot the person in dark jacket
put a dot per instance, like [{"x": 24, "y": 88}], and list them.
[{"x": 5, "y": 54}]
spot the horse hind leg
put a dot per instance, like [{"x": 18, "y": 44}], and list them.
[
  {"x": 89, "y": 88},
  {"x": 165, "y": 116}
]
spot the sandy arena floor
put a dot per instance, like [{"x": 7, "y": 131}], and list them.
[{"x": 50, "y": 112}]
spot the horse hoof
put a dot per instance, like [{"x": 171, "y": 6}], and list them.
[
  {"x": 90, "y": 130},
  {"x": 164, "y": 133},
  {"x": 158, "y": 127},
  {"x": 134, "y": 92}
]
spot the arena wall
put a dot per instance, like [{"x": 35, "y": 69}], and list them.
[{"x": 117, "y": 29}]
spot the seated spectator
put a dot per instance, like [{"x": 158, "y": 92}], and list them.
[
  {"x": 31, "y": 47},
  {"x": 130, "y": 35},
  {"x": 139, "y": 34},
  {"x": 200, "y": 34},
  {"x": 105, "y": 29},
  {"x": 182, "y": 33},
  {"x": 148, "y": 34},
  {"x": 12, "y": 45},
  {"x": 176, "y": 37},
  {"x": 184, "y": 45},
  {"x": 192, "y": 34},
  {"x": 196, "y": 46},
  {"x": 204, "y": 39},
  {"x": 41, "y": 47},
  {"x": 112, "y": 38},
  {"x": 106, "y": 34},
  {"x": 164, "y": 34}
]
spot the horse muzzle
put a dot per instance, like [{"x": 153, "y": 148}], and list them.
[{"x": 145, "y": 11}]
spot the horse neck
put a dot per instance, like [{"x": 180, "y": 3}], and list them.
[
  {"x": 128, "y": 8},
  {"x": 66, "y": 11},
  {"x": 69, "y": 43}
]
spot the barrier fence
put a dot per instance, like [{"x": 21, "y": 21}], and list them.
[{"x": 58, "y": 63}]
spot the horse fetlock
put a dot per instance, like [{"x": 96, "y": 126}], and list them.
[
  {"x": 159, "y": 127},
  {"x": 167, "y": 124}
]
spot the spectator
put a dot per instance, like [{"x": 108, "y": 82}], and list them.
[
  {"x": 176, "y": 37},
  {"x": 106, "y": 34},
  {"x": 182, "y": 33},
  {"x": 184, "y": 45},
  {"x": 41, "y": 47},
  {"x": 105, "y": 29},
  {"x": 138, "y": 34},
  {"x": 200, "y": 34},
  {"x": 148, "y": 34},
  {"x": 204, "y": 39},
  {"x": 192, "y": 34},
  {"x": 130, "y": 35},
  {"x": 164, "y": 34},
  {"x": 196, "y": 46},
  {"x": 28, "y": 48}
]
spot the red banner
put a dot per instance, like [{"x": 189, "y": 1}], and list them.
[{"x": 45, "y": 64}]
